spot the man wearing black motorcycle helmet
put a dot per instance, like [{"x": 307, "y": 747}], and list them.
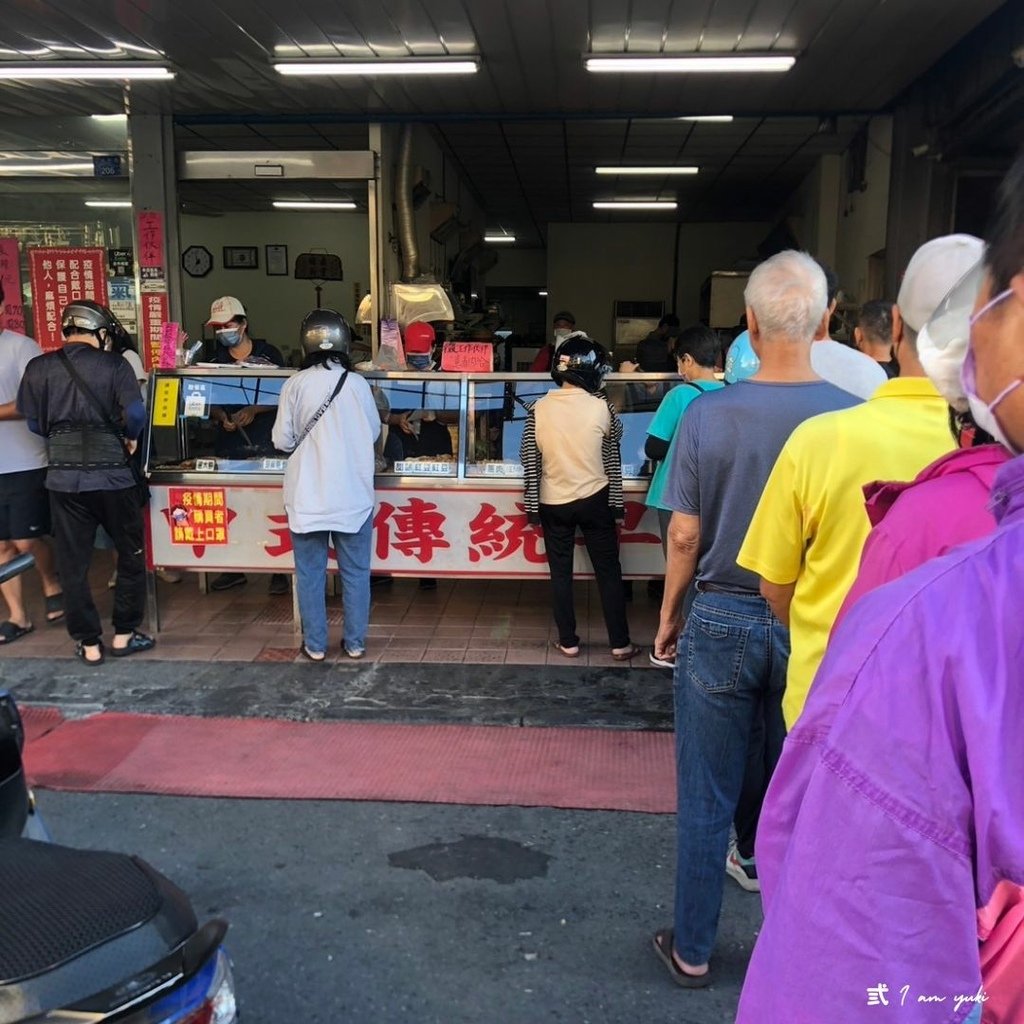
[
  {"x": 84, "y": 399},
  {"x": 573, "y": 480}
]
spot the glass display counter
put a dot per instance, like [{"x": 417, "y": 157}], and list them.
[{"x": 449, "y": 480}]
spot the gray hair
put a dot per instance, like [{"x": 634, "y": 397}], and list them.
[{"x": 789, "y": 296}]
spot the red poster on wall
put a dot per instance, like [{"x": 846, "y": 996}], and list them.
[
  {"x": 154, "y": 316},
  {"x": 60, "y": 276},
  {"x": 198, "y": 515},
  {"x": 151, "y": 239},
  {"x": 12, "y": 312}
]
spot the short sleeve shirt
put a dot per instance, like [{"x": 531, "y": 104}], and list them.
[
  {"x": 20, "y": 449},
  {"x": 49, "y": 396}
]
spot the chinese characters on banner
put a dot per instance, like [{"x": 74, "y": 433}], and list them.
[
  {"x": 12, "y": 313},
  {"x": 60, "y": 276},
  {"x": 151, "y": 239},
  {"x": 468, "y": 532},
  {"x": 197, "y": 515},
  {"x": 153, "y": 283},
  {"x": 467, "y": 357}
]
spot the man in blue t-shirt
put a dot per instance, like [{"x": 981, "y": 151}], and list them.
[
  {"x": 730, "y": 671},
  {"x": 696, "y": 356}
]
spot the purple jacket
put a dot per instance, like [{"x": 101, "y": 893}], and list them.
[
  {"x": 897, "y": 808},
  {"x": 944, "y": 507}
]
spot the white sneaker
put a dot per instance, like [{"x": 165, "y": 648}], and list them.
[
  {"x": 743, "y": 870},
  {"x": 662, "y": 662}
]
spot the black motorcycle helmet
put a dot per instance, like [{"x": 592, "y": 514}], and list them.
[
  {"x": 580, "y": 361},
  {"x": 87, "y": 315},
  {"x": 325, "y": 330}
]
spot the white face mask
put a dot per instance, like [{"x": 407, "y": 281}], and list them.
[
  {"x": 560, "y": 335},
  {"x": 942, "y": 363}
]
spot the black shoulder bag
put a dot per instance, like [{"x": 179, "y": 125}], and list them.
[
  {"x": 323, "y": 408},
  {"x": 141, "y": 483}
]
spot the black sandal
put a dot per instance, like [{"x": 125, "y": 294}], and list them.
[
  {"x": 81, "y": 655},
  {"x": 137, "y": 643},
  {"x": 54, "y": 608},
  {"x": 663, "y": 942}
]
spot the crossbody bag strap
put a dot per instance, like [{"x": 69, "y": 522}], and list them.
[
  {"x": 93, "y": 400},
  {"x": 323, "y": 408}
]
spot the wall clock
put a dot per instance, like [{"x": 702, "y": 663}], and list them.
[{"x": 197, "y": 261}]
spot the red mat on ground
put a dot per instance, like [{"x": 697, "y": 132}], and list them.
[
  {"x": 39, "y": 721},
  {"x": 596, "y": 769}
]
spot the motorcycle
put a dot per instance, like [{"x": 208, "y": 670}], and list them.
[{"x": 88, "y": 936}]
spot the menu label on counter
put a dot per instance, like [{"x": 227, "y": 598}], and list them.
[
  {"x": 198, "y": 515},
  {"x": 424, "y": 468}
]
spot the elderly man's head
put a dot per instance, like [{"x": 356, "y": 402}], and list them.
[{"x": 786, "y": 299}]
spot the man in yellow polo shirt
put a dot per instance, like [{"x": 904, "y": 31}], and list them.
[{"x": 806, "y": 536}]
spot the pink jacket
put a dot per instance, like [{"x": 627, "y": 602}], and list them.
[{"x": 944, "y": 507}]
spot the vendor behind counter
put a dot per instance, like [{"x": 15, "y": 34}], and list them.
[{"x": 241, "y": 428}]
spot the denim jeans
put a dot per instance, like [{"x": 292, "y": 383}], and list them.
[
  {"x": 352, "y": 551},
  {"x": 730, "y": 675}
]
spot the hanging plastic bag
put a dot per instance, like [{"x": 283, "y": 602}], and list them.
[
  {"x": 390, "y": 355},
  {"x": 421, "y": 302},
  {"x": 741, "y": 361}
]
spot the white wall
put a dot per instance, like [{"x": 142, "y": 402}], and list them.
[
  {"x": 276, "y": 305},
  {"x": 592, "y": 265},
  {"x": 863, "y": 216}
]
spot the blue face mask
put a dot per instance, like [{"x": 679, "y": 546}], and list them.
[{"x": 230, "y": 337}]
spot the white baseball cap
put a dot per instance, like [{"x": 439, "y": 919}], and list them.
[
  {"x": 224, "y": 310},
  {"x": 932, "y": 272}
]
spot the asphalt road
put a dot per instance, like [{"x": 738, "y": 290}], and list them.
[{"x": 424, "y": 914}]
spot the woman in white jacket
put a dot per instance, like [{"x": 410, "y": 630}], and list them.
[{"x": 328, "y": 421}]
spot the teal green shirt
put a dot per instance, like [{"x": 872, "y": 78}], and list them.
[{"x": 664, "y": 425}]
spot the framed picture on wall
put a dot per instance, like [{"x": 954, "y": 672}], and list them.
[
  {"x": 277, "y": 260},
  {"x": 241, "y": 257}
]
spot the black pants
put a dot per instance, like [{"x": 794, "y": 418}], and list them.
[
  {"x": 75, "y": 518},
  {"x": 594, "y": 519}
]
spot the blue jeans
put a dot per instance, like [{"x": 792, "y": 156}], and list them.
[
  {"x": 729, "y": 679},
  {"x": 353, "y": 553}
]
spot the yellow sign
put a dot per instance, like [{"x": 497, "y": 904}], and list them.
[{"x": 165, "y": 402}]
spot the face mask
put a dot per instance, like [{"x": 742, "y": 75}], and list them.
[
  {"x": 230, "y": 337},
  {"x": 943, "y": 364},
  {"x": 560, "y": 335},
  {"x": 984, "y": 414}
]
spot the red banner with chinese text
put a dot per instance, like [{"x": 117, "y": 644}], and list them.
[
  {"x": 61, "y": 276},
  {"x": 12, "y": 313},
  {"x": 155, "y": 313},
  {"x": 197, "y": 515},
  {"x": 424, "y": 532}
]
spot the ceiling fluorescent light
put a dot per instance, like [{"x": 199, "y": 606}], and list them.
[
  {"x": 646, "y": 170},
  {"x": 405, "y": 66},
  {"x": 636, "y": 204},
  {"x": 41, "y": 168},
  {"x": 54, "y": 71},
  {"x": 102, "y": 203},
  {"x": 543, "y": 295},
  {"x": 109, "y": 117},
  {"x": 497, "y": 239},
  {"x": 737, "y": 63},
  {"x": 313, "y": 204},
  {"x": 709, "y": 119}
]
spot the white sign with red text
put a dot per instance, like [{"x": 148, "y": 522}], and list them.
[{"x": 430, "y": 532}]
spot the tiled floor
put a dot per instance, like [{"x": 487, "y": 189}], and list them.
[{"x": 461, "y": 622}]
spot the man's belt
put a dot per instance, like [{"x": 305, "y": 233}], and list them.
[
  {"x": 84, "y": 446},
  {"x": 703, "y": 587}
]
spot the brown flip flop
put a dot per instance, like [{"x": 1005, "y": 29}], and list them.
[
  {"x": 662, "y": 942},
  {"x": 566, "y": 652},
  {"x": 628, "y": 654}
]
